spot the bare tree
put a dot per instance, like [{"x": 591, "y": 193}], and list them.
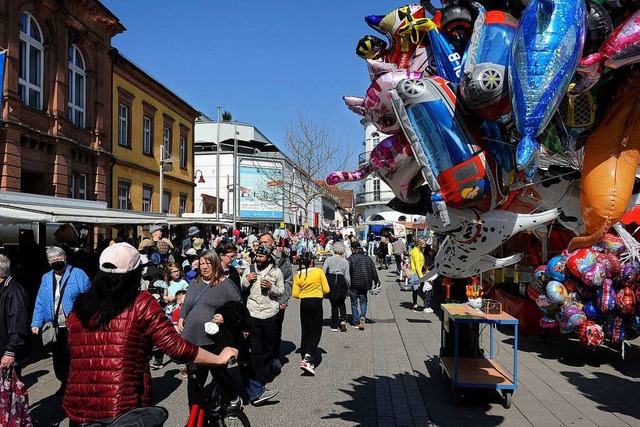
[{"x": 314, "y": 152}]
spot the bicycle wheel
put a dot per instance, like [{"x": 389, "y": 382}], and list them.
[{"x": 235, "y": 418}]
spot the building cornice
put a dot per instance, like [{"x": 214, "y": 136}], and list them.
[
  {"x": 136, "y": 76},
  {"x": 102, "y": 16}
]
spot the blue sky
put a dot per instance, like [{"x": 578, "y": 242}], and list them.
[{"x": 264, "y": 61}]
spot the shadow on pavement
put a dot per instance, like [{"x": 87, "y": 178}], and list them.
[
  {"x": 358, "y": 408},
  {"x": 165, "y": 385},
  {"x": 32, "y": 377},
  {"x": 286, "y": 348},
  {"x": 47, "y": 411},
  {"x": 623, "y": 401},
  {"x": 382, "y": 401},
  {"x": 472, "y": 409},
  {"x": 570, "y": 352}
]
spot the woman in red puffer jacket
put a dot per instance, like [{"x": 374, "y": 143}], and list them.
[{"x": 111, "y": 331}]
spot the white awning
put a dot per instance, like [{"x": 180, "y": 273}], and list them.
[
  {"x": 13, "y": 213},
  {"x": 225, "y": 220}
]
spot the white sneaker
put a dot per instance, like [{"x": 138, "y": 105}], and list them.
[
  {"x": 428, "y": 310},
  {"x": 334, "y": 329},
  {"x": 307, "y": 367}
]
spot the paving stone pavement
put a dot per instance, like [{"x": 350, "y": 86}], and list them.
[{"x": 389, "y": 375}]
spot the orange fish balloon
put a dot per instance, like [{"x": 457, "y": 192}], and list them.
[{"x": 610, "y": 163}]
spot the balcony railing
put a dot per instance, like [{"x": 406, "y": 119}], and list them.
[
  {"x": 374, "y": 197},
  {"x": 363, "y": 158}
]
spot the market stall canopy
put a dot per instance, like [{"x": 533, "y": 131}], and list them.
[
  {"x": 225, "y": 220},
  {"x": 18, "y": 208}
]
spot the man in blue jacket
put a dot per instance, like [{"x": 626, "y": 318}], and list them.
[{"x": 58, "y": 291}]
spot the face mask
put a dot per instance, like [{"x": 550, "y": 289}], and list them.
[{"x": 58, "y": 265}]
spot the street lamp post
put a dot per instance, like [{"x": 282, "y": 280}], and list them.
[
  {"x": 236, "y": 178},
  {"x": 218, "y": 167}
]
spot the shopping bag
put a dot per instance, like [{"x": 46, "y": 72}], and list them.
[
  {"x": 49, "y": 333},
  {"x": 414, "y": 281},
  {"x": 427, "y": 287},
  {"x": 14, "y": 400}
]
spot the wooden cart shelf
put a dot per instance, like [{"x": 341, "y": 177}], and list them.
[{"x": 477, "y": 371}]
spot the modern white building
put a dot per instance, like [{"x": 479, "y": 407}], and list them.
[
  {"x": 374, "y": 194},
  {"x": 253, "y": 199}
]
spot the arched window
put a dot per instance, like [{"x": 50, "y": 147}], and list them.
[
  {"x": 77, "y": 87},
  {"x": 31, "y": 61}
]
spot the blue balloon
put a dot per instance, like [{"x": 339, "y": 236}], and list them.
[
  {"x": 439, "y": 126},
  {"x": 497, "y": 144},
  {"x": 448, "y": 61},
  {"x": 483, "y": 85},
  {"x": 556, "y": 268},
  {"x": 545, "y": 53},
  {"x": 374, "y": 21}
]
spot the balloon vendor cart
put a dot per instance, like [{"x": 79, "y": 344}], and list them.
[{"x": 468, "y": 370}]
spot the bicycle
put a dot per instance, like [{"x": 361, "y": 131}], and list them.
[{"x": 213, "y": 412}]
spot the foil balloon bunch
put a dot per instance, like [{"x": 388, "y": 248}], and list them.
[
  {"x": 449, "y": 159},
  {"x": 469, "y": 94},
  {"x": 591, "y": 293}
]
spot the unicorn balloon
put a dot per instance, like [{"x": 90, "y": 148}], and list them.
[
  {"x": 393, "y": 161},
  {"x": 376, "y": 106}
]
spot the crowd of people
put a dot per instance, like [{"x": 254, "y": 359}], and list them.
[{"x": 199, "y": 301}]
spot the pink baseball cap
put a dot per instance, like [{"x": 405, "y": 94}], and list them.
[{"x": 121, "y": 258}]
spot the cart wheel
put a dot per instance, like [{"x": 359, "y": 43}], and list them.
[
  {"x": 507, "y": 399},
  {"x": 458, "y": 400},
  {"x": 458, "y": 397}
]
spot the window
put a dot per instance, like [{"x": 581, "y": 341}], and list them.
[
  {"x": 147, "y": 191},
  {"x": 166, "y": 198},
  {"x": 183, "y": 152},
  {"x": 146, "y": 135},
  {"x": 123, "y": 125},
  {"x": 77, "y": 87},
  {"x": 376, "y": 190},
  {"x": 183, "y": 204},
  {"x": 124, "y": 195},
  {"x": 166, "y": 143},
  {"x": 31, "y": 60},
  {"x": 78, "y": 187}
]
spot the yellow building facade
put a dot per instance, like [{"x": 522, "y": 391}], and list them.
[{"x": 150, "y": 124}]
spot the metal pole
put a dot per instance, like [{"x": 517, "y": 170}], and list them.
[
  {"x": 235, "y": 172},
  {"x": 161, "y": 177},
  {"x": 218, "y": 168}
]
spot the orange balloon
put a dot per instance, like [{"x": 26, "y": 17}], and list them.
[{"x": 610, "y": 163}]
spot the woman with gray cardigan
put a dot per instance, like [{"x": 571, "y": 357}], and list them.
[{"x": 336, "y": 268}]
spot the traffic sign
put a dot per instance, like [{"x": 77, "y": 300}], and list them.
[{"x": 294, "y": 208}]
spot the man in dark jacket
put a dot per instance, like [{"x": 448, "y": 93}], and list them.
[
  {"x": 281, "y": 262},
  {"x": 363, "y": 276},
  {"x": 14, "y": 323}
]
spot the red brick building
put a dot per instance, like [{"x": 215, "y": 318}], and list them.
[{"x": 56, "y": 103}]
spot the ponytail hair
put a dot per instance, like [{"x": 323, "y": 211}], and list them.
[{"x": 304, "y": 261}]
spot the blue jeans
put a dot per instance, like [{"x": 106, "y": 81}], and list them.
[
  {"x": 358, "y": 295},
  {"x": 371, "y": 248},
  {"x": 255, "y": 389}
]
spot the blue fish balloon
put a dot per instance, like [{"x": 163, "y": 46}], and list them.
[{"x": 544, "y": 56}]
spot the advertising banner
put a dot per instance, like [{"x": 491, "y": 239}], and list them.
[{"x": 261, "y": 194}]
